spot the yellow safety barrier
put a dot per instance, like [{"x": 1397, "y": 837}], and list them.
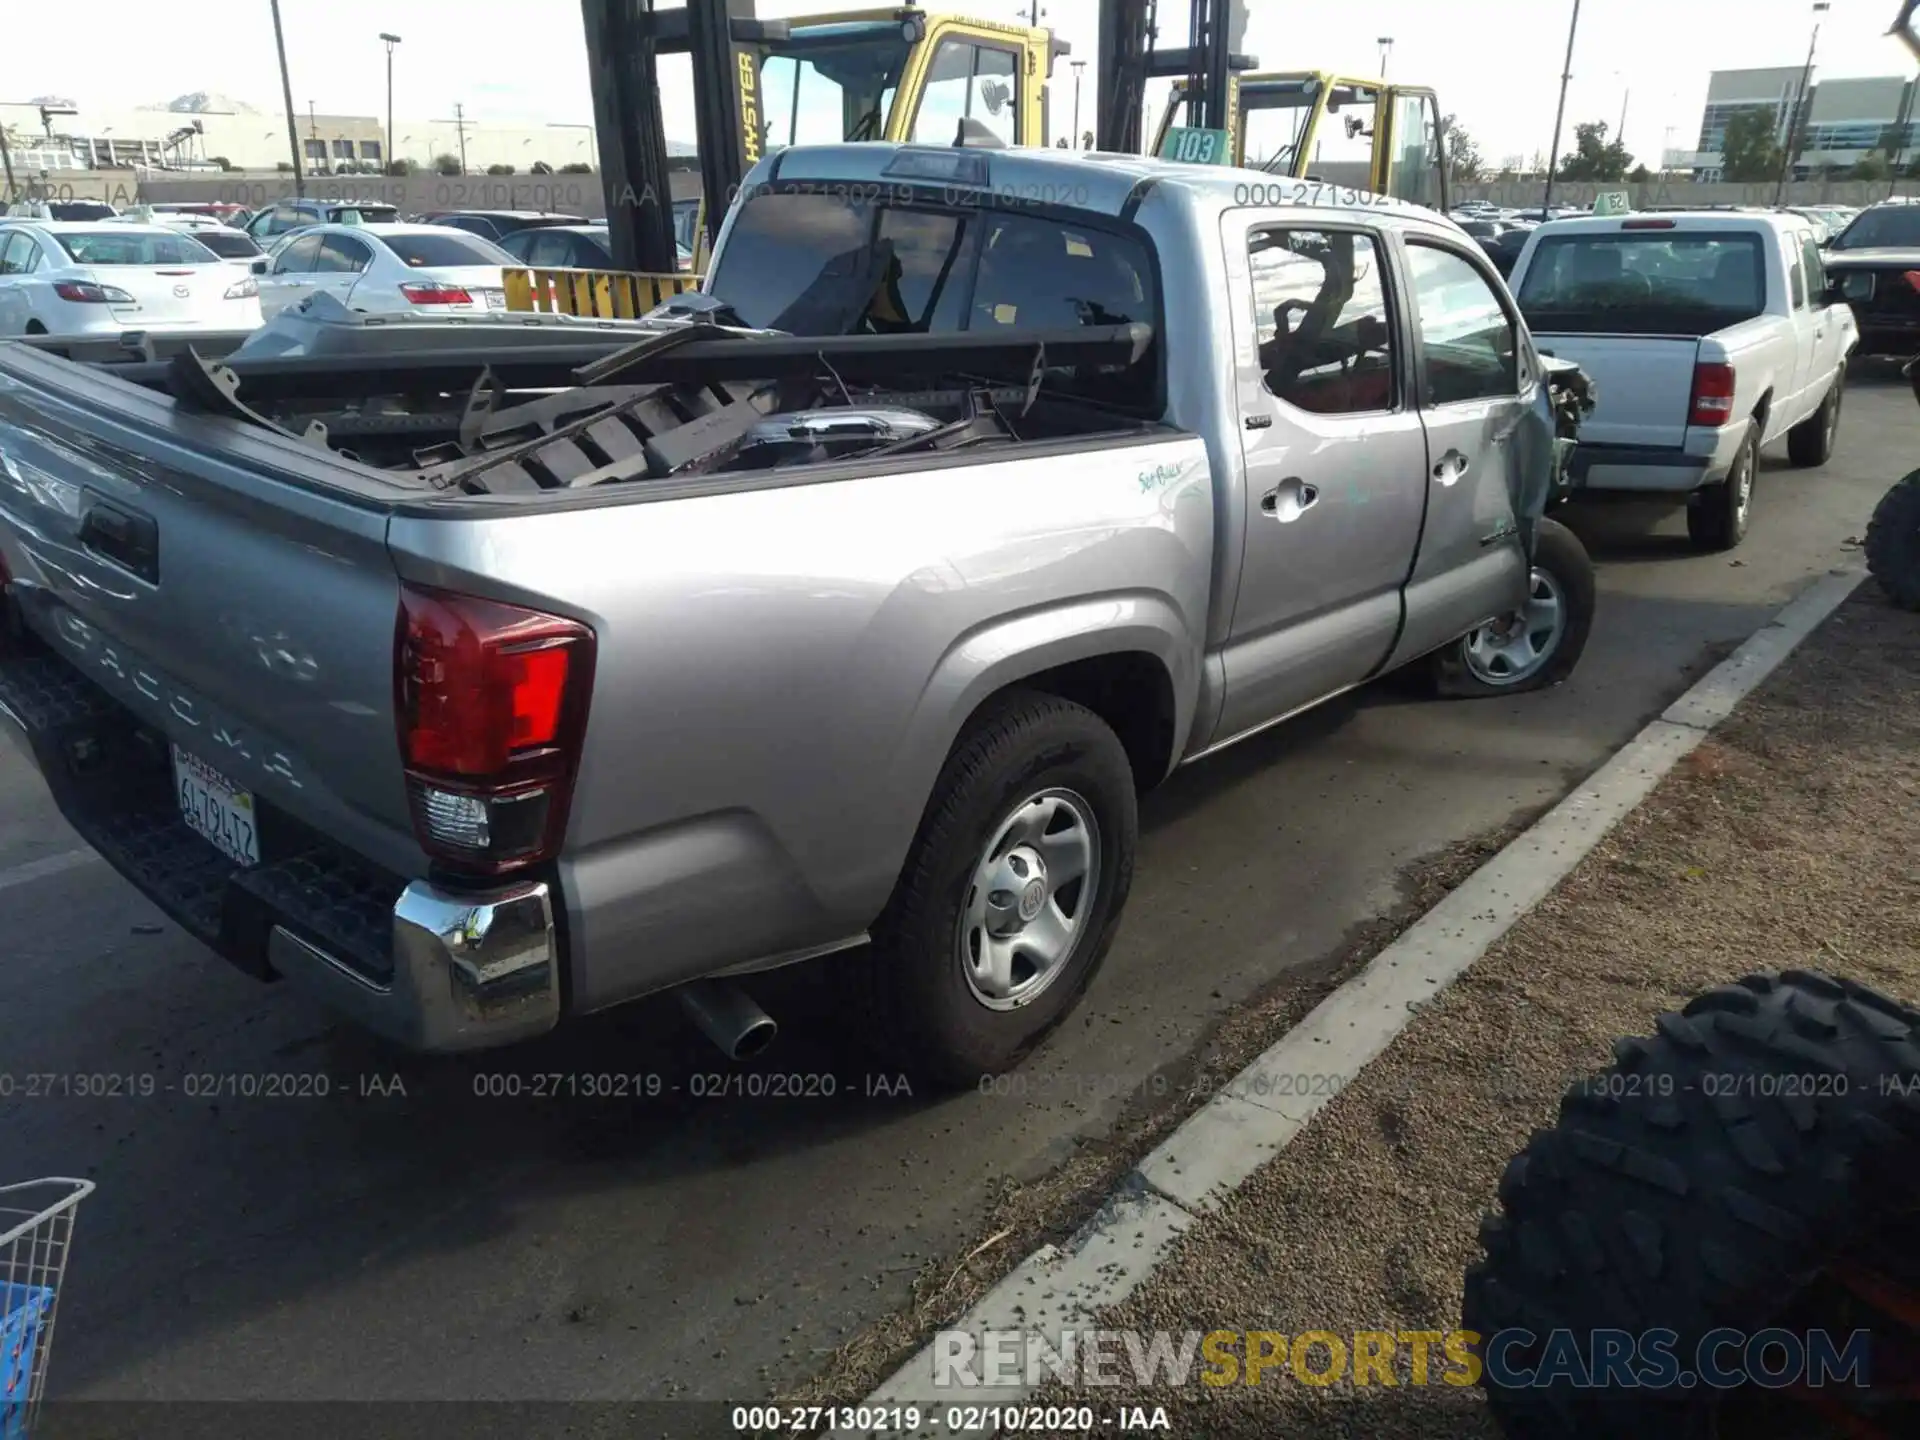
[{"x": 599, "y": 294}]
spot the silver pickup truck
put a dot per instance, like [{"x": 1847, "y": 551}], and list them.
[{"x": 474, "y": 677}]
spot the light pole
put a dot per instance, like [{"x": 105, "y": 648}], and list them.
[
  {"x": 391, "y": 41},
  {"x": 1385, "y": 42},
  {"x": 1802, "y": 110},
  {"x": 1560, "y": 115},
  {"x": 593, "y": 153},
  {"x": 1078, "y": 67},
  {"x": 286, "y": 94}
]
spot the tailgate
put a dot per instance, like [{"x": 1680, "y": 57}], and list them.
[
  {"x": 1644, "y": 385},
  {"x": 208, "y": 578}
]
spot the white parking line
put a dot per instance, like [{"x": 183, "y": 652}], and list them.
[{"x": 45, "y": 867}]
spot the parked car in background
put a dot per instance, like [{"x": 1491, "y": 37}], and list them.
[
  {"x": 287, "y": 216},
  {"x": 68, "y": 278},
  {"x": 1707, "y": 337},
  {"x": 570, "y": 247},
  {"x": 1504, "y": 249},
  {"x": 221, "y": 211},
  {"x": 498, "y": 224},
  {"x": 60, "y": 210},
  {"x": 1874, "y": 261},
  {"x": 386, "y": 269}
]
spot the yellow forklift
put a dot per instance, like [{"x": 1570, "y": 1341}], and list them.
[
  {"x": 1347, "y": 132},
  {"x": 900, "y": 73}
]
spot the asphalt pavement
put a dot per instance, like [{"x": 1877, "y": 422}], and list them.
[{"x": 289, "y": 1210}]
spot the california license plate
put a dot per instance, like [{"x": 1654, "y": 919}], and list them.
[
  {"x": 216, "y": 809},
  {"x": 495, "y": 299}
]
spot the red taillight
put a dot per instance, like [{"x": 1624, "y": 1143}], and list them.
[
  {"x": 426, "y": 292},
  {"x": 492, "y": 701},
  {"x": 1913, "y": 279},
  {"x": 1712, "y": 395},
  {"x": 85, "y": 292}
]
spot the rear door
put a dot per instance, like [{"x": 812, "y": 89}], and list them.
[
  {"x": 294, "y": 271},
  {"x": 1334, "y": 455},
  {"x": 1476, "y": 384},
  {"x": 339, "y": 265}
]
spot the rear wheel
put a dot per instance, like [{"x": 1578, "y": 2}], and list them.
[
  {"x": 1810, "y": 442},
  {"x": 1009, "y": 898},
  {"x": 1717, "y": 515},
  {"x": 1538, "y": 646},
  {"x": 34, "y": 327}
]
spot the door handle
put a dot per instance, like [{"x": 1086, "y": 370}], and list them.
[
  {"x": 1451, "y": 467},
  {"x": 1289, "y": 500}
]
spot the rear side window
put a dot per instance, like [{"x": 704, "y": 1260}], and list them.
[
  {"x": 1321, "y": 319},
  {"x": 1816, "y": 268},
  {"x": 1652, "y": 282},
  {"x": 109, "y": 247},
  {"x": 418, "y": 252},
  {"x": 1467, "y": 341}
]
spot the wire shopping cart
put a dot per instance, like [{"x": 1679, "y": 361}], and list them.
[{"x": 36, "y": 1228}]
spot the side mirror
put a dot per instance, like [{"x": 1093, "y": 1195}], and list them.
[{"x": 259, "y": 267}]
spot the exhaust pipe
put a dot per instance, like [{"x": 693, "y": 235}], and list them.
[{"x": 727, "y": 1016}]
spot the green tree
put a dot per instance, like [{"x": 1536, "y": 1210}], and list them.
[
  {"x": 1464, "y": 161},
  {"x": 448, "y": 165},
  {"x": 1593, "y": 157},
  {"x": 500, "y": 169},
  {"x": 1751, "y": 152},
  {"x": 540, "y": 167},
  {"x": 400, "y": 167},
  {"x": 576, "y": 167},
  {"x": 1871, "y": 167}
]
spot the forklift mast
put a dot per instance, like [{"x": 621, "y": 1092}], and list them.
[
  {"x": 625, "y": 39},
  {"x": 1129, "y": 57}
]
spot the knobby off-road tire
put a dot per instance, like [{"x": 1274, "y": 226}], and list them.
[
  {"x": 1702, "y": 1181},
  {"x": 1561, "y": 569},
  {"x": 1893, "y": 543},
  {"x": 1718, "y": 515},
  {"x": 909, "y": 992},
  {"x": 1811, "y": 442}
]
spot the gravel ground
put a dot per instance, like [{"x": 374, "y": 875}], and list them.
[{"x": 1787, "y": 839}]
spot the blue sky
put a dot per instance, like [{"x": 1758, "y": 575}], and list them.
[{"x": 515, "y": 64}]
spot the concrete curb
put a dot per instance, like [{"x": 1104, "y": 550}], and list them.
[{"x": 1216, "y": 1150}]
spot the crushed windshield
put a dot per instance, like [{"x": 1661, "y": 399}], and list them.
[
  {"x": 1644, "y": 284},
  {"x": 828, "y": 83}
]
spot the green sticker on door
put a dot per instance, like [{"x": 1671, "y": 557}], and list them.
[{"x": 1188, "y": 146}]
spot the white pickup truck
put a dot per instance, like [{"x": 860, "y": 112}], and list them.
[{"x": 1707, "y": 336}]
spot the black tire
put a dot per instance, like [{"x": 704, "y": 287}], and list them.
[
  {"x": 1766, "y": 1132},
  {"x": 1810, "y": 443},
  {"x": 1717, "y": 517},
  {"x": 1893, "y": 543},
  {"x": 1557, "y": 551},
  {"x": 908, "y": 991}
]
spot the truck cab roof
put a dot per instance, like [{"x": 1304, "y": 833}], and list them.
[{"x": 1093, "y": 181}]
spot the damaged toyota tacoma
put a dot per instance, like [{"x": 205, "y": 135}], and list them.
[{"x": 471, "y": 677}]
